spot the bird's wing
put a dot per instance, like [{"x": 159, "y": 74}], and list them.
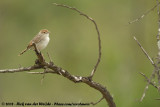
[{"x": 36, "y": 40}]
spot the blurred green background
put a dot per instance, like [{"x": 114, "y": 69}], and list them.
[{"x": 74, "y": 47}]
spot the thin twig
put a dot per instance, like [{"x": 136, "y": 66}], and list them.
[
  {"x": 148, "y": 80},
  {"x": 43, "y": 76},
  {"x": 79, "y": 102},
  {"x": 152, "y": 62},
  {"x": 144, "y": 93},
  {"x": 150, "y": 59},
  {"x": 34, "y": 67},
  {"x": 143, "y": 15},
  {"x": 155, "y": 64},
  {"x": 97, "y": 101},
  {"x": 99, "y": 40},
  {"x": 58, "y": 70},
  {"x": 158, "y": 20},
  {"x": 47, "y": 71},
  {"x": 42, "y": 79},
  {"x": 158, "y": 42},
  {"x": 36, "y": 72},
  {"x": 49, "y": 57}
]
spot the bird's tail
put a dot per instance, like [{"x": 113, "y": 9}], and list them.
[{"x": 23, "y": 52}]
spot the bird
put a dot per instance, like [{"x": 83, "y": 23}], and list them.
[{"x": 41, "y": 40}]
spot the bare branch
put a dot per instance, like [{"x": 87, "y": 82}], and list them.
[
  {"x": 143, "y": 15},
  {"x": 99, "y": 40},
  {"x": 157, "y": 62},
  {"x": 79, "y": 102},
  {"x": 155, "y": 71},
  {"x": 97, "y": 101},
  {"x": 158, "y": 42},
  {"x": 88, "y": 80},
  {"x": 47, "y": 71},
  {"x": 36, "y": 72},
  {"x": 148, "y": 80},
  {"x": 158, "y": 20},
  {"x": 66, "y": 74},
  {"x": 144, "y": 93},
  {"x": 76, "y": 79},
  {"x": 52, "y": 68},
  {"x": 49, "y": 58},
  {"x": 34, "y": 67},
  {"x": 150, "y": 59}
]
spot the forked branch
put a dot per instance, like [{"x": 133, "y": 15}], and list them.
[
  {"x": 153, "y": 73},
  {"x": 50, "y": 67}
]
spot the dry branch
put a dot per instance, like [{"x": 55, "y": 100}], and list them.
[
  {"x": 50, "y": 67},
  {"x": 153, "y": 73},
  {"x": 144, "y": 51},
  {"x": 76, "y": 79},
  {"x": 158, "y": 20},
  {"x": 97, "y": 101},
  {"x": 98, "y": 33},
  {"x": 148, "y": 80},
  {"x": 157, "y": 62},
  {"x": 143, "y": 15},
  {"x": 34, "y": 67},
  {"x": 158, "y": 43}
]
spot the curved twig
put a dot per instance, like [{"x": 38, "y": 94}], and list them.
[
  {"x": 143, "y": 15},
  {"x": 50, "y": 67},
  {"x": 98, "y": 33}
]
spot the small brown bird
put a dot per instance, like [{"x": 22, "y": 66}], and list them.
[{"x": 41, "y": 40}]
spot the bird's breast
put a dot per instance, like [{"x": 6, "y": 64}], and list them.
[{"x": 43, "y": 42}]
